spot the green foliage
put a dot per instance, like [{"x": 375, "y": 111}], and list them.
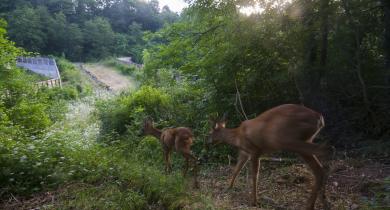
[
  {"x": 31, "y": 117},
  {"x": 73, "y": 81},
  {"x": 40, "y": 149},
  {"x": 129, "y": 111},
  {"x": 99, "y": 42},
  {"x": 124, "y": 175},
  {"x": 8, "y": 51},
  {"x": 123, "y": 68},
  {"x": 104, "y": 196},
  {"x": 26, "y": 30},
  {"x": 24, "y": 106},
  {"x": 80, "y": 30},
  {"x": 149, "y": 150},
  {"x": 279, "y": 56}
]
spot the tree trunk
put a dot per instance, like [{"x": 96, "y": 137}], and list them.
[
  {"x": 324, "y": 34},
  {"x": 358, "y": 37},
  {"x": 386, "y": 12},
  {"x": 306, "y": 77},
  {"x": 315, "y": 55}
]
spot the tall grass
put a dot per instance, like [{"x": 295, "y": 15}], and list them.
[
  {"x": 123, "y": 68},
  {"x": 123, "y": 173}
]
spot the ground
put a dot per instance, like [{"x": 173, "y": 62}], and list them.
[
  {"x": 280, "y": 186},
  {"x": 109, "y": 77},
  {"x": 287, "y": 186}
]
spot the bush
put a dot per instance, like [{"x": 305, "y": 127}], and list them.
[
  {"x": 149, "y": 151},
  {"x": 73, "y": 82},
  {"x": 112, "y": 177},
  {"x": 127, "y": 112},
  {"x": 123, "y": 68},
  {"x": 31, "y": 116}
]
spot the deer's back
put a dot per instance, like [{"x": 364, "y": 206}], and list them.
[
  {"x": 177, "y": 137},
  {"x": 279, "y": 125}
]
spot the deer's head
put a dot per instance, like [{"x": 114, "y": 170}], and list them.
[
  {"x": 147, "y": 127},
  {"x": 216, "y": 134}
]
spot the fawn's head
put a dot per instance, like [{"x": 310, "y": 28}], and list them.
[
  {"x": 147, "y": 127},
  {"x": 215, "y": 134}
]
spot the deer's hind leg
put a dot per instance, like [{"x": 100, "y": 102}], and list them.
[
  {"x": 183, "y": 146},
  {"x": 320, "y": 180},
  {"x": 167, "y": 159},
  {"x": 191, "y": 158},
  {"x": 255, "y": 171}
]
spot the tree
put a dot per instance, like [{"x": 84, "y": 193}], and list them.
[
  {"x": 167, "y": 16},
  {"x": 386, "y": 12},
  {"x": 98, "y": 38},
  {"x": 26, "y": 29}
]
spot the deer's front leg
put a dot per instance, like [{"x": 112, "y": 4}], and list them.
[
  {"x": 242, "y": 159},
  {"x": 255, "y": 171}
]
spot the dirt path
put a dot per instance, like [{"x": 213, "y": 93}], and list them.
[{"x": 110, "y": 78}]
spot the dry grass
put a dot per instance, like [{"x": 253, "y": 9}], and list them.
[
  {"x": 110, "y": 77},
  {"x": 288, "y": 187}
]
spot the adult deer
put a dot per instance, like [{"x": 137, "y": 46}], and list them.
[
  {"x": 179, "y": 139},
  {"x": 286, "y": 127}
]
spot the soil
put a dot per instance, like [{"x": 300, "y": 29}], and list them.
[
  {"x": 281, "y": 186},
  {"x": 111, "y": 78}
]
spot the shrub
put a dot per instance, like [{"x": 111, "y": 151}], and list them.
[
  {"x": 149, "y": 151},
  {"x": 73, "y": 81},
  {"x": 30, "y": 116},
  {"x": 126, "y": 112},
  {"x": 123, "y": 68}
]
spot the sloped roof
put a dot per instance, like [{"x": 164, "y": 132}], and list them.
[{"x": 40, "y": 65}]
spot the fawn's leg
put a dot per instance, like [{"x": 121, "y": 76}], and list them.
[{"x": 242, "y": 159}]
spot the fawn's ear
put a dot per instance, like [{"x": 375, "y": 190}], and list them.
[
  {"x": 148, "y": 121},
  {"x": 224, "y": 118},
  {"x": 212, "y": 123},
  {"x": 220, "y": 125}
]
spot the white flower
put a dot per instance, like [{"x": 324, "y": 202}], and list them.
[{"x": 23, "y": 158}]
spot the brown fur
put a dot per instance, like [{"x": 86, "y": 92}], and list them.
[
  {"x": 179, "y": 139},
  {"x": 286, "y": 127}
]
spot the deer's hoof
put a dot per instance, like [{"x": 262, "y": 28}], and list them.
[
  {"x": 228, "y": 189},
  {"x": 196, "y": 185},
  {"x": 253, "y": 203}
]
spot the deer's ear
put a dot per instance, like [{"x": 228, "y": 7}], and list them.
[
  {"x": 219, "y": 125},
  {"x": 212, "y": 122},
  {"x": 224, "y": 117},
  {"x": 148, "y": 121}
]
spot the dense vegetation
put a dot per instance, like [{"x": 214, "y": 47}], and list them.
[
  {"x": 84, "y": 29},
  {"x": 332, "y": 56},
  {"x": 50, "y": 141},
  {"x": 328, "y": 55}
]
